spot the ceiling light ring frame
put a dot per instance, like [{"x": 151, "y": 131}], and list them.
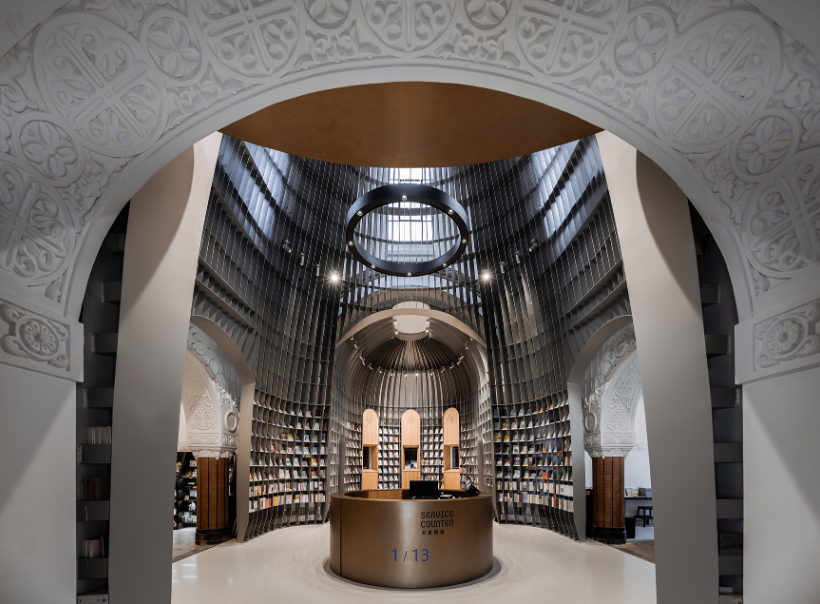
[{"x": 406, "y": 192}]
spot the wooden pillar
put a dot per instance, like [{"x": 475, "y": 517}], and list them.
[
  {"x": 212, "y": 501},
  {"x": 608, "y": 499}
]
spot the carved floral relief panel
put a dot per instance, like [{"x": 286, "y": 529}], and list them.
[{"x": 734, "y": 100}]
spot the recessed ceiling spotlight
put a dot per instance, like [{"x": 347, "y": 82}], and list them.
[
  {"x": 349, "y": 243},
  {"x": 372, "y": 266},
  {"x": 463, "y": 241},
  {"x": 449, "y": 211},
  {"x": 334, "y": 277},
  {"x": 359, "y": 213},
  {"x": 444, "y": 265},
  {"x": 409, "y": 274},
  {"x": 485, "y": 276},
  {"x": 404, "y": 197}
]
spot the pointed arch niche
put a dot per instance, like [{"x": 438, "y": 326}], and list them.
[
  {"x": 410, "y": 439},
  {"x": 452, "y": 466},
  {"x": 370, "y": 450}
]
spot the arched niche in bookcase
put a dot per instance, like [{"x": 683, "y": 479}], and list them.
[
  {"x": 452, "y": 467},
  {"x": 370, "y": 450},
  {"x": 246, "y": 409},
  {"x": 410, "y": 439},
  {"x": 575, "y": 380}
]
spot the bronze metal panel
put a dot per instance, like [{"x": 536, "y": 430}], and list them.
[
  {"x": 336, "y": 534},
  {"x": 393, "y": 543},
  {"x": 410, "y": 124}
]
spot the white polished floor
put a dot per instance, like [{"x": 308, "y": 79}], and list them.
[{"x": 289, "y": 565}]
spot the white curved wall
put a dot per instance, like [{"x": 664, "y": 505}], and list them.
[{"x": 636, "y": 464}]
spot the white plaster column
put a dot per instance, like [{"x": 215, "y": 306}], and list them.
[
  {"x": 162, "y": 245},
  {"x": 38, "y": 499},
  {"x": 781, "y": 480},
  {"x": 654, "y": 229}
]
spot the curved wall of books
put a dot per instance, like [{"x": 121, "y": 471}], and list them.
[{"x": 540, "y": 271}]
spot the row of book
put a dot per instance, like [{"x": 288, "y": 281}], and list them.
[
  {"x": 278, "y": 500},
  {"x": 96, "y": 489},
  {"x": 94, "y": 548},
  {"x": 288, "y": 487},
  {"x": 565, "y": 490},
  {"x": 553, "y": 501},
  {"x": 98, "y": 435}
]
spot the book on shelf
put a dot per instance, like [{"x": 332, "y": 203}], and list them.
[{"x": 96, "y": 489}]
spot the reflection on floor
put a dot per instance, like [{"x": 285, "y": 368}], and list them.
[
  {"x": 642, "y": 546},
  {"x": 289, "y": 565},
  {"x": 184, "y": 545}
]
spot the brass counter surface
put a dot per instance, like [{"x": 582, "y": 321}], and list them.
[{"x": 380, "y": 538}]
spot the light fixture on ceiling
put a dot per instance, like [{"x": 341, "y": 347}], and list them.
[
  {"x": 450, "y": 211},
  {"x": 359, "y": 213},
  {"x": 404, "y": 197},
  {"x": 485, "y": 276},
  {"x": 349, "y": 243},
  {"x": 334, "y": 277},
  {"x": 409, "y": 274}
]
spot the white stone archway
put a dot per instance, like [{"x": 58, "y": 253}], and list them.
[
  {"x": 610, "y": 405},
  {"x": 211, "y": 413},
  {"x": 99, "y": 95},
  {"x": 724, "y": 100}
]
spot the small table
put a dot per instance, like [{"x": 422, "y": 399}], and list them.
[{"x": 644, "y": 514}]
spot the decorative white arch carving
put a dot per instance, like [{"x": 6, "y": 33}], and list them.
[
  {"x": 101, "y": 93},
  {"x": 609, "y": 410},
  {"x": 211, "y": 416}
]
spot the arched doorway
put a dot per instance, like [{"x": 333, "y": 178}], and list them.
[{"x": 727, "y": 185}]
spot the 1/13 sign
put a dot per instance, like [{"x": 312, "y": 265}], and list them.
[{"x": 414, "y": 555}]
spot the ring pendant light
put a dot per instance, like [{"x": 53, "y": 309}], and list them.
[{"x": 401, "y": 193}]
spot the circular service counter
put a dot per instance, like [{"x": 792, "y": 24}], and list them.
[{"x": 384, "y": 538}]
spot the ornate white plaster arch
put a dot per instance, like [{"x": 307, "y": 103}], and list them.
[
  {"x": 210, "y": 412},
  {"x": 609, "y": 409},
  {"x": 102, "y": 93}
]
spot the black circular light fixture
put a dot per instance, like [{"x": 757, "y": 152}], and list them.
[{"x": 401, "y": 193}]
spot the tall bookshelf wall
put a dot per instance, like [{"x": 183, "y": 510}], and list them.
[
  {"x": 389, "y": 476},
  {"x": 265, "y": 258},
  {"x": 555, "y": 275},
  {"x": 541, "y": 225}
]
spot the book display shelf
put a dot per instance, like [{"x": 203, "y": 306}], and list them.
[
  {"x": 533, "y": 464},
  {"x": 353, "y": 456},
  {"x": 95, "y": 404},
  {"x": 288, "y": 463},
  {"x": 432, "y": 467},
  {"x": 450, "y": 451},
  {"x": 370, "y": 450},
  {"x": 484, "y": 447},
  {"x": 390, "y": 458},
  {"x": 185, "y": 491},
  {"x": 411, "y": 462}
]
